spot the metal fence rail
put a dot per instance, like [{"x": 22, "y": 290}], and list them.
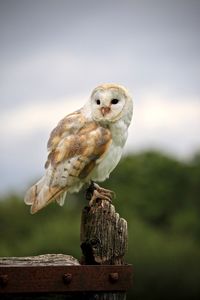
[{"x": 59, "y": 279}]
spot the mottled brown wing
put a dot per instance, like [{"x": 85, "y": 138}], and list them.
[
  {"x": 75, "y": 150},
  {"x": 67, "y": 126},
  {"x": 78, "y": 143}
]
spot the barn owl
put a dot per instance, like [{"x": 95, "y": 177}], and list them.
[{"x": 85, "y": 147}]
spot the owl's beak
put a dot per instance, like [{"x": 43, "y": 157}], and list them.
[{"x": 105, "y": 110}]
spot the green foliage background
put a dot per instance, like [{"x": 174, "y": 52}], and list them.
[{"x": 158, "y": 196}]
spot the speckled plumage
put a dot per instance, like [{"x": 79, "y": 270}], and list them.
[{"x": 86, "y": 145}]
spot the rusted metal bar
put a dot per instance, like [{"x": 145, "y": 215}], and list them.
[{"x": 59, "y": 279}]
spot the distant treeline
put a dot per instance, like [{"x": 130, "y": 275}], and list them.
[{"x": 158, "y": 195}]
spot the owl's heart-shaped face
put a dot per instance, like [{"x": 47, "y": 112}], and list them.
[{"x": 107, "y": 104}]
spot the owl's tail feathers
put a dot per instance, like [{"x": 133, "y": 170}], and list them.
[{"x": 40, "y": 195}]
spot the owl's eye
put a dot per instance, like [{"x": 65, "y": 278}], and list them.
[
  {"x": 114, "y": 101},
  {"x": 98, "y": 102}
]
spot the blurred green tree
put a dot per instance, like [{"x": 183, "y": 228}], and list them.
[{"x": 159, "y": 197}]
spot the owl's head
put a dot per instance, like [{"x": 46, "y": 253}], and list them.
[{"x": 110, "y": 103}]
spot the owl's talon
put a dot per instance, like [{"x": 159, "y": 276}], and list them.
[
  {"x": 108, "y": 193},
  {"x": 99, "y": 194},
  {"x": 96, "y": 198}
]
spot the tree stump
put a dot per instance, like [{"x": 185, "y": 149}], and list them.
[{"x": 103, "y": 240}]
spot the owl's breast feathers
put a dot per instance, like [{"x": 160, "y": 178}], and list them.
[{"x": 76, "y": 146}]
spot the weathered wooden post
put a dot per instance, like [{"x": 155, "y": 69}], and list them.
[
  {"x": 104, "y": 242},
  {"x": 101, "y": 275}
]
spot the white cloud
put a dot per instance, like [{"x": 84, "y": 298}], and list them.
[
  {"x": 169, "y": 124},
  {"x": 25, "y": 120}
]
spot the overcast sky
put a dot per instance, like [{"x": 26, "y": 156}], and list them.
[{"x": 53, "y": 53}]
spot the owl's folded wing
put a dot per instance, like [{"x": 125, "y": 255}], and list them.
[
  {"x": 75, "y": 137},
  {"x": 71, "y": 124},
  {"x": 75, "y": 147}
]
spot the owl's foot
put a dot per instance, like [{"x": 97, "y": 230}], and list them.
[
  {"x": 95, "y": 192},
  {"x": 108, "y": 193}
]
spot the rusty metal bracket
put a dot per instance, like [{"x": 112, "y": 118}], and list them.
[{"x": 61, "y": 279}]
